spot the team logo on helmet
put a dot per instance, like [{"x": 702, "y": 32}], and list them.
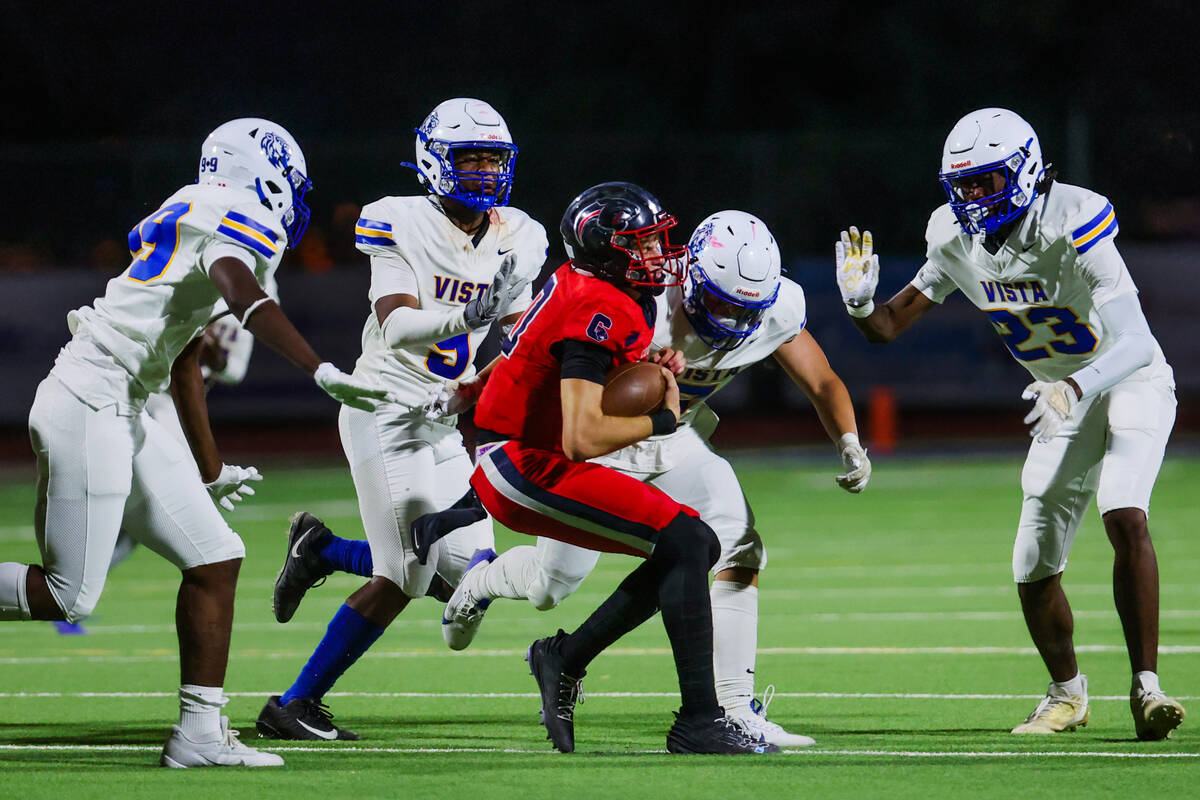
[
  {"x": 431, "y": 122},
  {"x": 276, "y": 149},
  {"x": 700, "y": 239}
]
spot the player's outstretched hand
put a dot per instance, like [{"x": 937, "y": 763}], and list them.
[
  {"x": 671, "y": 359},
  {"x": 349, "y": 390},
  {"x": 857, "y": 271},
  {"x": 1053, "y": 403},
  {"x": 485, "y": 306},
  {"x": 856, "y": 464},
  {"x": 232, "y": 485},
  {"x": 452, "y": 397}
]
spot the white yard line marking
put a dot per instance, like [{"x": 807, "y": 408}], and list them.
[
  {"x": 649, "y": 651},
  {"x": 349, "y": 749},
  {"x": 848, "y": 616},
  {"x": 533, "y": 695}
]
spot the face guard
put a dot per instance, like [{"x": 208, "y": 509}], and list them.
[
  {"x": 721, "y": 320},
  {"x": 988, "y": 214},
  {"x": 654, "y": 262},
  {"x": 493, "y": 187}
]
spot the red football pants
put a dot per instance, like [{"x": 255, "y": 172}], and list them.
[{"x": 542, "y": 493}]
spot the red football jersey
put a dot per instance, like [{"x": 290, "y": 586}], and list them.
[{"x": 521, "y": 399}]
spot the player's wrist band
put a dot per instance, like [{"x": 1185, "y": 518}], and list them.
[
  {"x": 861, "y": 311},
  {"x": 663, "y": 422}
]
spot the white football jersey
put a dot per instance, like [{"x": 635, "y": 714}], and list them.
[
  {"x": 124, "y": 344},
  {"x": 415, "y": 249},
  {"x": 1042, "y": 287},
  {"x": 707, "y": 370}
]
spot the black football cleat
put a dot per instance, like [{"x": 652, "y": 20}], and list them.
[
  {"x": 303, "y": 719},
  {"x": 719, "y": 736},
  {"x": 302, "y": 567},
  {"x": 427, "y": 529},
  {"x": 559, "y": 691}
]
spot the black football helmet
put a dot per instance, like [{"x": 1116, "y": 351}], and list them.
[{"x": 618, "y": 232}]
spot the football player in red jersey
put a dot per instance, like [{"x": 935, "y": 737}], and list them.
[{"x": 539, "y": 420}]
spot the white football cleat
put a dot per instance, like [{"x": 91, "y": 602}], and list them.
[
  {"x": 464, "y": 612},
  {"x": 1057, "y": 713},
  {"x": 1155, "y": 715},
  {"x": 223, "y": 751},
  {"x": 753, "y": 720}
]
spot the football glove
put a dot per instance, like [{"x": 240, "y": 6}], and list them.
[
  {"x": 446, "y": 398},
  {"x": 856, "y": 464},
  {"x": 857, "y": 271},
  {"x": 349, "y": 390},
  {"x": 1054, "y": 402},
  {"x": 485, "y": 306},
  {"x": 231, "y": 485}
]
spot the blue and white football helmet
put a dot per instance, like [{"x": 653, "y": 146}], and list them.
[
  {"x": 733, "y": 277},
  {"x": 465, "y": 124},
  {"x": 991, "y": 140},
  {"x": 262, "y": 156}
]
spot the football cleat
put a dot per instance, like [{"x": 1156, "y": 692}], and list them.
[
  {"x": 560, "y": 692},
  {"x": 713, "y": 735},
  {"x": 303, "y": 719},
  {"x": 465, "y": 609},
  {"x": 302, "y": 567},
  {"x": 753, "y": 720},
  {"x": 1057, "y": 712},
  {"x": 224, "y": 751},
  {"x": 1155, "y": 715}
]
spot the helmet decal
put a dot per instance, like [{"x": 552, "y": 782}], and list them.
[{"x": 275, "y": 147}]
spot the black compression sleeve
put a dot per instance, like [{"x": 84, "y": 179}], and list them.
[{"x": 584, "y": 360}]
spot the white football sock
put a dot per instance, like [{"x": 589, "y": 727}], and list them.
[
  {"x": 14, "y": 604},
  {"x": 735, "y": 640},
  {"x": 200, "y": 711},
  {"x": 1147, "y": 681},
  {"x": 510, "y": 574},
  {"x": 1077, "y": 687}
]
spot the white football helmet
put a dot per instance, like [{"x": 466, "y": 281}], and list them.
[
  {"x": 989, "y": 140},
  {"x": 732, "y": 278},
  {"x": 262, "y": 156},
  {"x": 465, "y": 124}
]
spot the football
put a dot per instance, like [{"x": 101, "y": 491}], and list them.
[{"x": 633, "y": 389}]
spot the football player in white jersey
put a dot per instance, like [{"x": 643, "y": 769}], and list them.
[
  {"x": 224, "y": 355},
  {"x": 734, "y": 310},
  {"x": 104, "y": 464},
  {"x": 444, "y": 266},
  {"x": 1039, "y": 258}
]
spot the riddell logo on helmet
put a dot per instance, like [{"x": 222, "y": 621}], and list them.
[
  {"x": 746, "y": 292},
  {"x": 960, "y": 165}
]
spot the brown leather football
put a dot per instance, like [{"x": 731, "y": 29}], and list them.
[{"x": 633, "y": 389}]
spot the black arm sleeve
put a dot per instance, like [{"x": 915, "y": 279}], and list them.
[{"x": 584, "y": 360}]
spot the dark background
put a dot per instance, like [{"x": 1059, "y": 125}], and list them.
[{"x": 813, "y": 116}]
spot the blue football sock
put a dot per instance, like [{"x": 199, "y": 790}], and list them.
[
  {"x": 348, "y": 637},
  {"x": 347, "y": 555}
]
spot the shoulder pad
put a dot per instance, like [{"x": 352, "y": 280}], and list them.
[
  {"x": 1081, "y": 215},
  {"x": 376, "y": 231},
  {"x": 943, "y": 228},
  {"x": 250, "y": 225}
]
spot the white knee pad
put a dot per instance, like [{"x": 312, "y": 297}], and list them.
[{"x": 548, "y": 590}]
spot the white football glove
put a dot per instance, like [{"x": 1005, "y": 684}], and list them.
[
  {"x": 855, "y": 462},
  {"x": 485, "y": 306},
  {"x": 231, "y": 485},
  {"x": 857, "y": 271},
  {"x": 349, "y": 390},
  {"x": 446, "y": 398},
  {"x": 1054, "y": 403}
]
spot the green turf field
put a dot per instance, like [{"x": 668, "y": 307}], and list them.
[{"x": 889, "y": 627}]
